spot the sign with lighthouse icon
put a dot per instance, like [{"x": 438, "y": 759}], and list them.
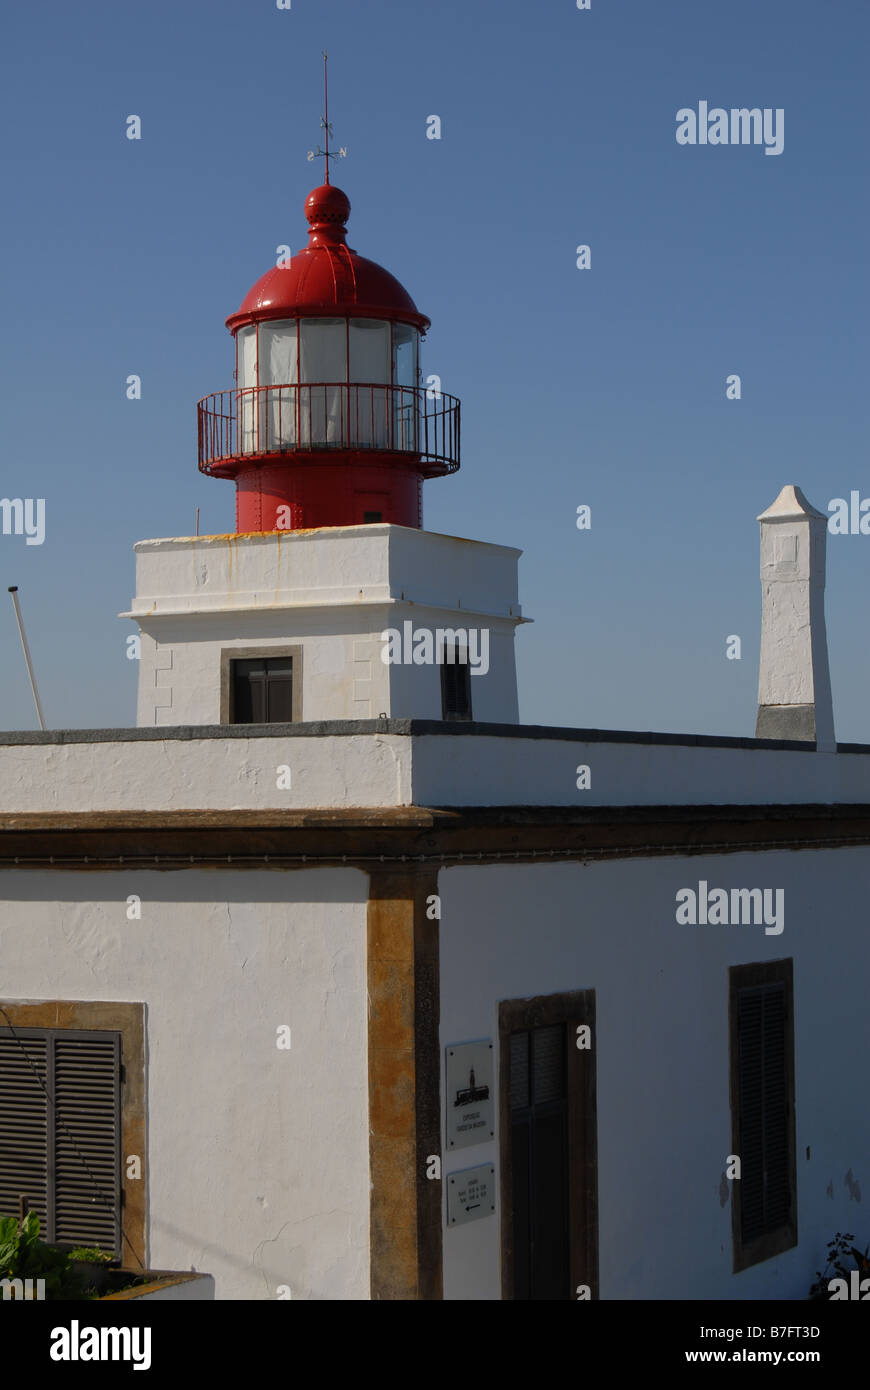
[{"x": 468, "y": 1074}]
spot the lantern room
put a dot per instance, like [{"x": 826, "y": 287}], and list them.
[{"x": 329, "y": 423}]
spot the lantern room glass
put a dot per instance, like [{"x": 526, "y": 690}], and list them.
[
  {"x": 406, "y": 406},
  {"x": 368, "y": 374},
  {"x": 322, "y": 362},
  {"x": 279, "y": 367},
  {"x": 345, "y": 382},
  {"x": 246, "y": 380}
]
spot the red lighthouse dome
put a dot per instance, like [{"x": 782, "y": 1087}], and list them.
[{"x": 329, "y": 424}]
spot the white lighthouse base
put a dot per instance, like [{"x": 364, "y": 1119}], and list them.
[{"x": 326, "y": 597}]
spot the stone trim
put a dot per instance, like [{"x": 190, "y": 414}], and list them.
[
  {"x": 231, "y": 654},
  {"x": 404, "y": 1086}
]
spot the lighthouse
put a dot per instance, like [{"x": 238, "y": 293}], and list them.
[{"x": 329, "y": 601}]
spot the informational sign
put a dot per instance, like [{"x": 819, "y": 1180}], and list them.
[
  {"x": 469, "y": 1094},
  {"x": 470, "y": 1194}
]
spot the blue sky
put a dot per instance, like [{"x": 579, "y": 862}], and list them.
[{"x": 604, "y": 387}]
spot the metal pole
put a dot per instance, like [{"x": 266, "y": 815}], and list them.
[
  {"x": 326, "y": 113},
  {"x": 197, "y": 521},
  {"x": 13, "y": 589}
]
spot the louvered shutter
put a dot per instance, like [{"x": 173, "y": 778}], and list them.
[
  {"x": 764, "y": 1115},
  {"x": 60, "y": 1133},
  {"x": 539, "y": 1157},
  {"x": 23, "y": 1125},
  {"x": 548, "y": 1070},
  {"x": 87, "y": 1140}
]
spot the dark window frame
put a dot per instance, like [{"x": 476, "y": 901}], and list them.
[
  {"x": 231, "y": 654},
  {"x": 783, "y": 1237},
  {"x": 574, "y": 1009},
  {"x": 449, "y": 715}
]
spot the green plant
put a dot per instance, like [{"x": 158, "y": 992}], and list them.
[
  {"x": 840, "y": 1249},
  {"x": 92, "y": 1254},
  {"x": 24, "y": 1256}
]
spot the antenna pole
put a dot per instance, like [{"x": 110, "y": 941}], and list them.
[
  {"x": 326, "y": 113},
  {"x": 326, "y": 154},
  {"x": 13, "y": 589}
]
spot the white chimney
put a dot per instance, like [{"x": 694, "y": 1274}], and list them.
[{"x": 794, "y": 683}]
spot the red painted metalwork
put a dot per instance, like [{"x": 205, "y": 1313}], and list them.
[
  {"x": 327, "y": 278},
  {"x": 272, "y": 497},
  {"x": 320, "y": 418},
  {"x": 328, "y": 453}
]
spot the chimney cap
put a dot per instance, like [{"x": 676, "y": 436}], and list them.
[{"x": 790, "y": 505}]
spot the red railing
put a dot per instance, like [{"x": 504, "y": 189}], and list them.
[{"x": 266, "y": 420}]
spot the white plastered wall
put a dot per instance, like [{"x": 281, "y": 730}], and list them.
[
  {"x": 332, "y": 592},
  {"x": 258, "y": 1167},
  {"x": 664, "y": 1120}
]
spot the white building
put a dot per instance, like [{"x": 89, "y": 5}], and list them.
[{"x": 345, "y": 984}]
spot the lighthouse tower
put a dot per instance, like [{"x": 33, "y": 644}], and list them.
[{"x": 330, "y": 601}]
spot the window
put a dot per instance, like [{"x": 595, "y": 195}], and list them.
[
  {"x": 246, "y": 380},
  {"x": 455, "y": 682},
  {"x": 369, "y": 351},
  {"x": 404, "y": 355},
  {"x": 60, "y": 1133},
  {"x": 323, "y": 359},
  {"x": 372, "y": 516},
  {"x": 406, "y": 407},
  {"x": 278, "y": 366},
  {"x": 547, "y": 1135},
  {"x": 764, "y": 1205},
  {"x": 369, "y": 362},
  {"x": 279, "y": 352},
  {"x": 262, "y": 690}
]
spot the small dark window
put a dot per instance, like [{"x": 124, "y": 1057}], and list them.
[
  {"x": 372, "y": 516},
  {"x": 60, "y": 1133},
  {"x": 455, "y": 682},
  {"x": 762, "y": 1082},
  {"x": 263, "y": 690}
]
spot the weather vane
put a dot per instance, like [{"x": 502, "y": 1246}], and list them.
[{"x": 326, "y": 154}]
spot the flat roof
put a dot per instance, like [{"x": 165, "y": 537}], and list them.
[{"x": 408, "y": 728}]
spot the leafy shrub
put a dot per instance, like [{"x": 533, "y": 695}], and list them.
[
  {"x": 839, "y": 1250},
  {"x": 24, "y": 1256},
  {"x": 92, "y": 1255}
]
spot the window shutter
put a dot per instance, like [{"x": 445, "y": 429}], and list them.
[
  {"x": 60, "y": 1133},
  {"x": 764, "y": 1119},
  {"x": 279, "y": 700},
  {"x": 23, "y": 1126},
  {"x": 549, "y": 1063},
  {"x": 87, "y": 1140},
  {"x": 519, "y": 1044}
]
